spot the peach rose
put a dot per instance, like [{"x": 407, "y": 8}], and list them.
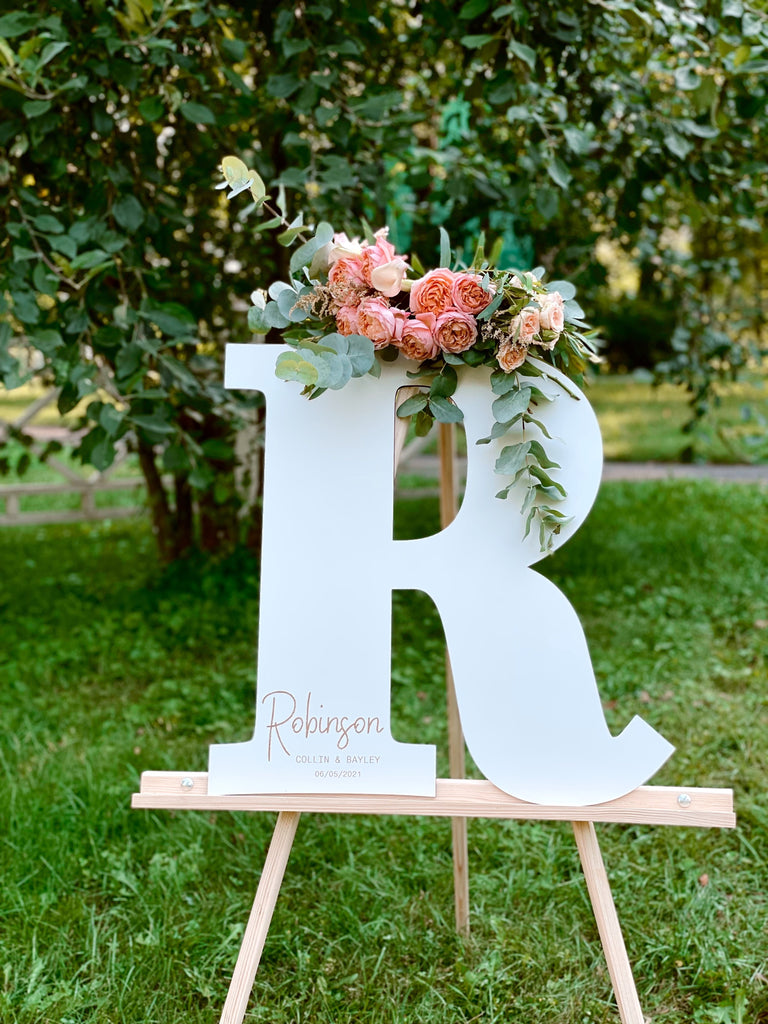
[
  {"x": 552, "y": 315},
  {"x": 525, "y": 326},
  {"x": 455, "y": 331},
  {"x": 347, "y": 320},
  {"x": 388, "y": 278},
  {"x": 511, "y": 355},
  {"x": 417, "y": 340},
  {"x": 433, "y": 292},
  {"x": 377, "y": 321},
  {"x": 345, "y": 279},
  {"x": 468, "y": 294}
]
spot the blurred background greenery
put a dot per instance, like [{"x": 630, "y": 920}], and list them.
[{"x": 619, "y": 145}]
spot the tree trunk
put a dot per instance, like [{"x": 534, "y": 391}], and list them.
[
  {"x": 162, "y": 520},
  {"x": 184, "y": 525}
]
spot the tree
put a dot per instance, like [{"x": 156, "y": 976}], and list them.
[{"x": 548, "y": 126}]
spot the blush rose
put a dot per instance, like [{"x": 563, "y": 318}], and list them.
[
  {"x": 511, "y": 355},
  {"x": 347, "y": 320},
  {"x": 525, "y": 326},
  {"x": 377, "y": 321},
  {"x": 552, "y": 315}
]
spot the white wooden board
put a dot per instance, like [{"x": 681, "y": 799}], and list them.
[{"x": 529, "y": 704}]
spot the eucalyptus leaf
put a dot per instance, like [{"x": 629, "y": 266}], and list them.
[
  {"x": 539, "y": 424},
  {"x": 444, "y": 410},
  {"x": 452, "y": 359},
  {"x": 412, "y": 405},
  {"x": 273, "y": 317},
  {"x": 334, "y": 371},
  {"x": 492, "y": 306},
  {"x": 543, "y": 460},
  {"x": 512, "y": 458},
  {"x": 545, "y": 478},
  {"x": 502, "y": 382},
  {"x": 257, "y": 321},
  {"x": 445, "y": 248},
  {"x": 565, "y": 288},
  {"x": 445, "y": 383},
  {"x": 511, "y": 404},
  {"x": 277, "y": 288},
  {"x": 362, "y": 354},
  {"x": 423, "y": 423},
  {"x": 302, "y": 257},
  {"x": 291, "y": 366}
]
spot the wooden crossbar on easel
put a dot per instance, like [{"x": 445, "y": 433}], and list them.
[{"x": 457, "y": 799}]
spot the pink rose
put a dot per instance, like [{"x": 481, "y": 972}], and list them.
[
  {"x": 433, "y": 292},
  {"x": 388, "y": 278},
  {"x": 455, "y": 331},
  {"x": 345, "y": 279},
  {"x": 417, "y": 340},
  {"x": 377, "y": 321},
  {"x": 378, "y": 254},
  {"x": 468, "y": 293},
  {"x": 552, "y": 315},
  {"x": 511, "y": 355},
  {"x": 347, "y": 320}
]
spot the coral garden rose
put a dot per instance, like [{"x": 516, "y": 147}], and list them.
[
  {"x": 388, "y": 278},
  {"x": 347, "y": 320},
  {"x": 552, "y": 314},
  {"x": 511, "y": 355},
  {"x": 377, "y": 321},
  {"x": 417, "y": 340},
  {"x": 455, "y": 331},
  {"x": 433, "y": 293},
  {"x": 468, "y": 293},
  {"x": 345, "y": 279}
]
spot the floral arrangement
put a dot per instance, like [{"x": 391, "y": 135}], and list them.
[{"x": 350, "y": 303}]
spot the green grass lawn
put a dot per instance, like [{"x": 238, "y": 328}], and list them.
[
  {"x": 641, "y": 422},
  {"x": 112, "y": 916}
]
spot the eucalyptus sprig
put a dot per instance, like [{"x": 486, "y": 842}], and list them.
[{"x": 527, "y": 459}]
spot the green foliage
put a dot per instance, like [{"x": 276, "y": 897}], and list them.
[
  {"x": 116, "y": 916},
  {"x": 545, "y": 127}
]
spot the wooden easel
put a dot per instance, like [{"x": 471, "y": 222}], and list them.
[{"x": 457, "y": 798}]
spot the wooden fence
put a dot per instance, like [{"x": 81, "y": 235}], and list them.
[{"x": 14, "y": 497}]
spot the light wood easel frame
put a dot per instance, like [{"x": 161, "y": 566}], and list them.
[{"x": 457, "y": 798}]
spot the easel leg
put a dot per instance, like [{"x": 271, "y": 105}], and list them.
[
  {"x": 458, "y": 825},
  {"x": 261, "y": 915},
  {"x": 448, "y": 509},
  {"x": 608, "y": 923}
]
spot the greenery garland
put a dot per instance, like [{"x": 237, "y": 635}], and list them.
[{"x": 350, "y": 304}]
